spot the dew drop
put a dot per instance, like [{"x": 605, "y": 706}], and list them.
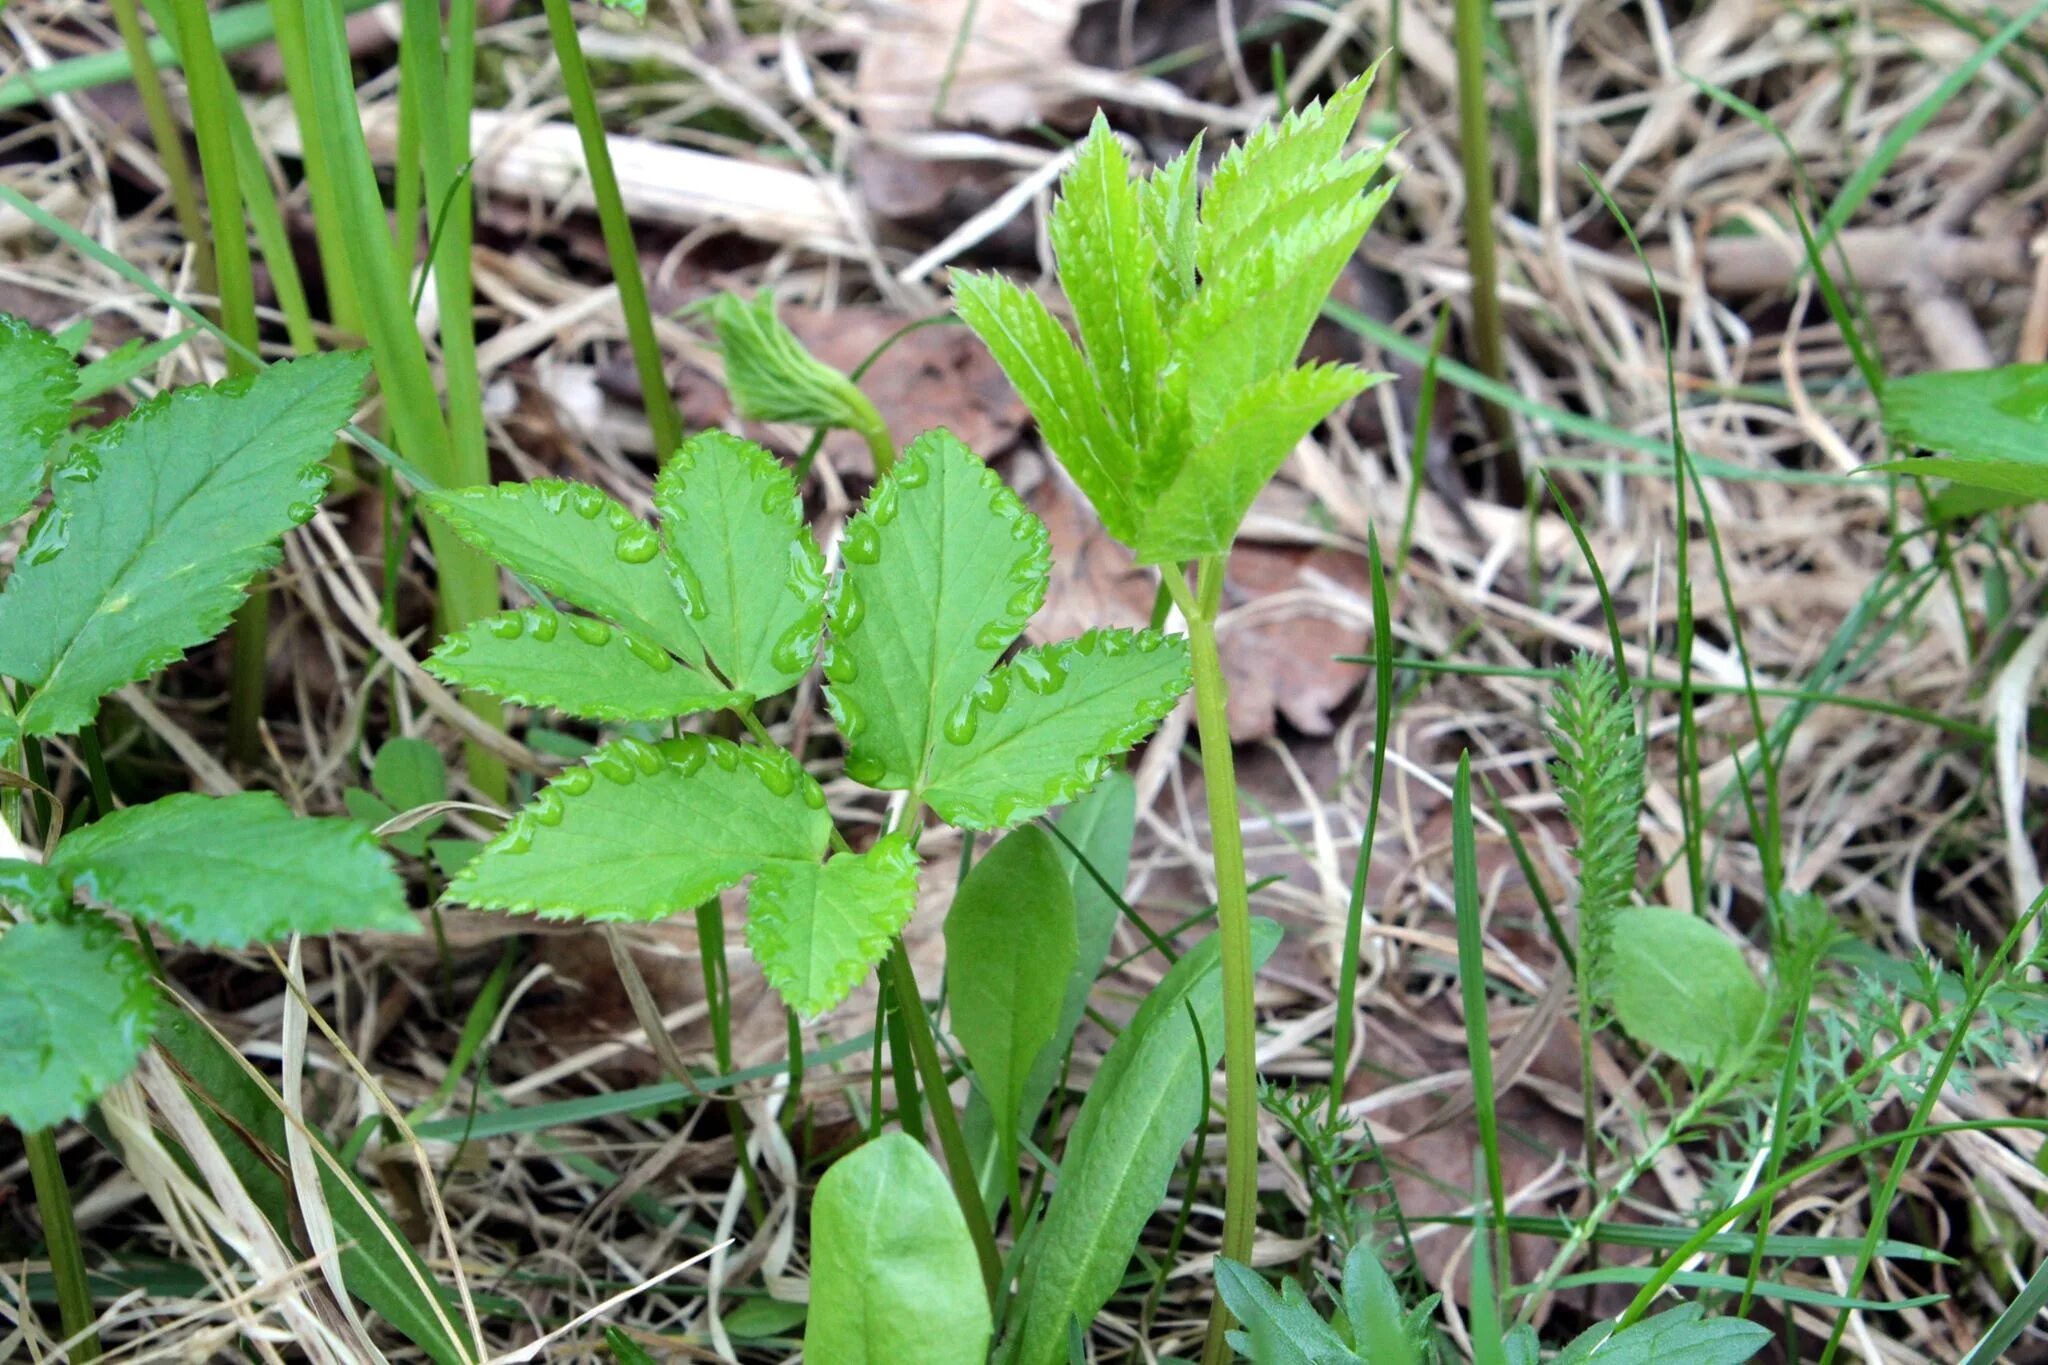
[
  {"x": 645, "y": 757},
  {"x": 51, "y": 535},
  {"x": 794, "y": 650},
  {"x": 83, "y": 467},
  {"x": 726, "y": 756},
  {"x": 574, "y": 782},
  {"x": 775, "y": 500},
  {"x": 864, "y": 768},
  {"x": 884, "y": 502},
  {"x": 300, "y": 512},
  {"x": 962, "y": 723},
  {"x": 588, "y": 502},
  {"x": 993, "y": 693},
  {"x": 612, "y": 765},
  {"x": 852, "y": 721},
  {"x": 995, "y": 635},
  {"x": 517, "y": 836},
  {"x": 778, "y": 778},
  {"x": 546, "y": 808},
  {"x": 454, "y": 647},
  {"x": 812, "y": 793},
  {"x": 840, "y": 668},
  {"x": 687, "y": 755},
  {"x": 863, "y": 543},
  {"x": 1110, "y": 644},
  {"x": 655, "y": 659},
  {"x": 911, "y": 470},
  {"x": 636, "y": 543},
  {"x": 689, "y": 588},
  {"x": 553, "y": 495},
  {"x": 849, "y": 608},
  {"x": 1039, "y": 673},
  {"x": 542, "y": 623},
  {"x": 506, "y": 627},
  {"x": 590, "y": 632}
]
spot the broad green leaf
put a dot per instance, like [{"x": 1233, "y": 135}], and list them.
[
  {"x": 229, "y": 871},
  {"x": 1682, "y": 1334},
  {"x": 1250, "y": 323},
  {"x": 575, "y": 664},
  {"x": 379, "y": 1266},
  {"x": 1679, "y": 985},
  {"x": 742, "y": 561},
  {"x": 1010, "y": 947},
  {"x": 893, "y": 1273},
  {"x": 1038, "y": 731},
  {"x": 772, "y": 378},
  {"x": 1046, "y": 369},
  {"x": 571, "y": 540},
  {"x": 76, "y": 1009},
  {"x": 1278, "y": 1328},
  {"x": 35, "y": 409},
  {"x": 1106, "y": 263},
  {"x": 156, "y": 526},
  {"x": 409, "y": 772},
  {"x": 1168, "y": 199},
  {"x": 644, "y": 830},
  {"x": 817, "y": 929},
  {"x": 1147, "y": 1097},
  {"x": 1200, "y": 512},
  {"x": 943, "y": 567},
  {"x": 1996, "y": 415}
]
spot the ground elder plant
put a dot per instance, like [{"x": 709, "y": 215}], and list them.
[{"x": 1181, "y": 399}]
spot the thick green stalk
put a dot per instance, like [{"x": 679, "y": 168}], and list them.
[
  {"x": 60, "y": 1232},
  {"x": 909, "y": 1007},
  {"x": 1234, "y": 926},
  {"x": 663, "y": 419},
  {"x": 169, "y": 140},
  {"x": 1475, "y": 152},
  {"x": 206, "y": 85}
]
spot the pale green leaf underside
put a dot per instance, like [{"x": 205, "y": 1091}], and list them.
[
  {"x": 742, "y": 561},
  {"x": 1678, "y": 984},
  {"x": 1200, "y": 512},
  {"x": 644, "y": 830},
  {"x": 35, "y": 408},
  {"x": 818, "y": 928},
  {"x": 1037, "y": 731},
  {"x": 943, "y": 567},
  {"x": 1010, "y": 946},
  {"x": 577, "y": 665},
  {"x": 76, "y": 1010},
  {"x": 1049, "y": 374},
  {"x": 229, "y": 871},
  {"x": 158, "y": 524},
  {"x": 586, "y": 548},
  {"x": 893, "y": 1271},
  {"x": 1121, "y": 1153}
]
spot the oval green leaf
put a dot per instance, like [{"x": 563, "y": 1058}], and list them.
[
  {"x": 1679, "y": 985},
  {"x": 76, "y": 1010}
]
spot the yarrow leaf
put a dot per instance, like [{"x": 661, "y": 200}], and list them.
[
  {"x": 1036, "y": 732},
  {"x": 157, "y": 525},
  {"x": 229, "y": 871},
  {"x": 943, "y": 567},
  {"x": 642, "y": 830},
  {"x": 1599, "y": 771},
  {"x": 35, "y": 409},
  {"x": 588, "y": 549},
  {"x": 76, "y": 1010},
  {"x": 742, "y": 561},
  {"x": 575, "y": 664},
  {"x": 818, "y": 928}
]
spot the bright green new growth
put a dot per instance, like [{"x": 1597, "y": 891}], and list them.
[
  {"x": 943, "y": 567},
  {"x": 157, "y": 524},
  {"x": 1183, "y": 398},
  {"x": 1599, "y": 772},
  {"x": 772, "y": 378}
]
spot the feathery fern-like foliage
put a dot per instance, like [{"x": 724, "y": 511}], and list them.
[{"x": 1599, "y": 772}]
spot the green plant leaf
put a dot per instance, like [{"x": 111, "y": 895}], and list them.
[
  {"x": 1994, "y": 423},
  {"x": 817, "y": 929},
  {"x": 229, "y": 871},
  {"x": 156, "y": 526},
  {"x": 893, "y": 1273},
  {"x": 742, "y": 561},
  {"x": 1147, "y": 1097},
  {"x": 1010, "y": 947},
  {"x": 1038, "y": 731},
  {"x": 1049, "y": 374},
  {"x": 1679, "y": 985},
  {"x": 1278, "y": 1328},
  {"x": 1106, "y": 263},
  {"x": 624, "y": 1349},
  {"x": 1681, "y": 1334},
  {"x": 1200, "y": 511},
  {"x": 575, "y": 664},
  {"x": 571, "y": 540},
  {"x": 1277, "y": 172},
  {"x": 127, "y": 362},
  {"x": 409, "y": 772},
  {"x": 35, "y": 409},
  {"x": 943, "y": 567},
  {"x": 772, "y": 378},
  {"x": 1373, "y": 1307},
  {"x": 644, "y": 830},
  {"x": 31, "y": 889},
  {"x": 378, "y": 1265},
  {"x": 1168, "y": 199},
  {"x": 1599, "y": 772},
  {"x": 76, "y": 1010}
]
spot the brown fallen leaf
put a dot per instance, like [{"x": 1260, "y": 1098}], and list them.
[
  {"x": 1280, "y": 635},
  {"x": 1008, "y": 54}
]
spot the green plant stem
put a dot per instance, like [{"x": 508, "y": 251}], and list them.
[
  {"x": 1234, "y": 925},
  {"x": 169, "y": 140},
  {"x": 909, "y": 1006},
  {"x": 96, "y": 770},
  {"x": 1475, "y": 150},
  {"x": 663, "y": 419},
  {"x": 1354, "y": 912},
  {"x": 60, "y": 1232}
]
